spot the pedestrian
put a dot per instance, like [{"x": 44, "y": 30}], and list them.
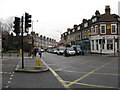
[
  {"x": 34, "y": 52},
  {"x": 65, "y": 53},
  {"x": 40, "y": 53}
]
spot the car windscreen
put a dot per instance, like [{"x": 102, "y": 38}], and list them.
[
  {"x": 70, "y": 49},
  {"x": 61, "y": 48}
]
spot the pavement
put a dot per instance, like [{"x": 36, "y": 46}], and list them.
[
  {"x": 30, "y": 65},
  {"x": 108, "y": 55}
]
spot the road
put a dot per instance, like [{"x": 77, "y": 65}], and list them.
[
  {"x": 89, "y": 71},
  {"x": 94, "y": 71}
]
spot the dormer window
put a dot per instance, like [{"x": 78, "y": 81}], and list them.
[
  {"x": 79, "y": 28},
  {"x": 69, "y": 32},
  {"x": 65, "y": 33},
  {"x": 94, "y": 20},
  {"x": 73, "y": 30},
  {"x": 86, "y": 25}
]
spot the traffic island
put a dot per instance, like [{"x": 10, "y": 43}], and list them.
[{"x": 31, "y": 65}]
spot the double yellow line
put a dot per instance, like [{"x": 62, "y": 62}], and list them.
[{"x": 58, "y": 77}]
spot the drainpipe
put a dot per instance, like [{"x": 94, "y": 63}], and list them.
[{"x": 114, "y": 45}]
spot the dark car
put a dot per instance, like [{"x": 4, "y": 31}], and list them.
[{"x": 80, "y": 52}]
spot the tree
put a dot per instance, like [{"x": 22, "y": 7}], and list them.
[
  {"x": 6, "y": 25},
  {"x": 5, "y": 29},
  {"x": 9, "y": 23}
]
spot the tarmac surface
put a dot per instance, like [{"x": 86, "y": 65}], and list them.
[{"x": 88, "y": 71}]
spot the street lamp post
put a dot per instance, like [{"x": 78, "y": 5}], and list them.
[
  {"x": 1, "y": 43},
  {"x": 32, "y": 34},
  {"x": 59, "y": 33}
]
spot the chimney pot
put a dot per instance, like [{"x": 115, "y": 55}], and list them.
[
  {"x": 97, "y": 13},
  {"x": 107, "y": 10}
]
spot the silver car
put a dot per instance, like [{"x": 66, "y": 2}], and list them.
[
  {"x": 61, "y": 50},
  {"x": 70, "y": 51}
]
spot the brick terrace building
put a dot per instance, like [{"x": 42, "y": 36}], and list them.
[
  {"x": 97, "y": 35},
  {"x": 104, "y": 32}
]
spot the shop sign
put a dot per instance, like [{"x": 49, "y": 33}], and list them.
[{"x": 108, "y": 27}]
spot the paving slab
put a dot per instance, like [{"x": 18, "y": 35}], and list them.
[{"x": 30, "y": 65}]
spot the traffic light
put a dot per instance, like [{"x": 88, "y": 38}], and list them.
[
  {"x": 27, "y": 22},
  {"x": 16, "y": 25}
]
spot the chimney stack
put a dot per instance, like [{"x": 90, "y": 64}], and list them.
[
  {"x": 97, "y": 13},
  {"x": 119, "y": 8},
  {"x": 75, "y": 27},
  {"x": 68, "y": 29},
  {"x": 84, "y": 20},
  {"x": 107, "y": 10}
]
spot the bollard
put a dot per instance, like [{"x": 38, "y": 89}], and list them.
[
  {"x": 20, "y": 51},
  {"x": 38, "y": 64}
]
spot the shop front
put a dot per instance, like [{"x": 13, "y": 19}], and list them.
[
  {"x": 84, "y": 45},
  {"x": 104, "y": 44}
]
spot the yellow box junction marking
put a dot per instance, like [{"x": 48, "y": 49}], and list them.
[
  {"x": 88, "y": 74},
  {"x": 58, "y": 77},
  {"x": 92, "y": 85}
]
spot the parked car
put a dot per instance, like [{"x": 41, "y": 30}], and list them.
[
  {"x": 70, "y": 51},
  {"x": 55, "y": 50},
  {"x": 60, "y": 50},
  {"x": 50, "y": 50},
  {"x": 80, "y": 52}
]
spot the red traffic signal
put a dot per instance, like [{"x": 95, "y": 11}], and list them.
[{"x": 27, "y": 21}]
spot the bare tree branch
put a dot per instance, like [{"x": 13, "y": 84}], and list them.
[{"x": 6, "y": 25}]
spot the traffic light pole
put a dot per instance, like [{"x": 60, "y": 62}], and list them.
[{"x": 22, "y": 45}]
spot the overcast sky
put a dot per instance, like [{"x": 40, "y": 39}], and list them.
[{"x": 55, "y": 16}]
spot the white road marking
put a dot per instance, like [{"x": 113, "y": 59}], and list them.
[
  {"x": 10, "y": 78},
  {"x": 9, "y": 82},
  {"x": 6, "y": 86},
  {"x": 11, "y": 75}
]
